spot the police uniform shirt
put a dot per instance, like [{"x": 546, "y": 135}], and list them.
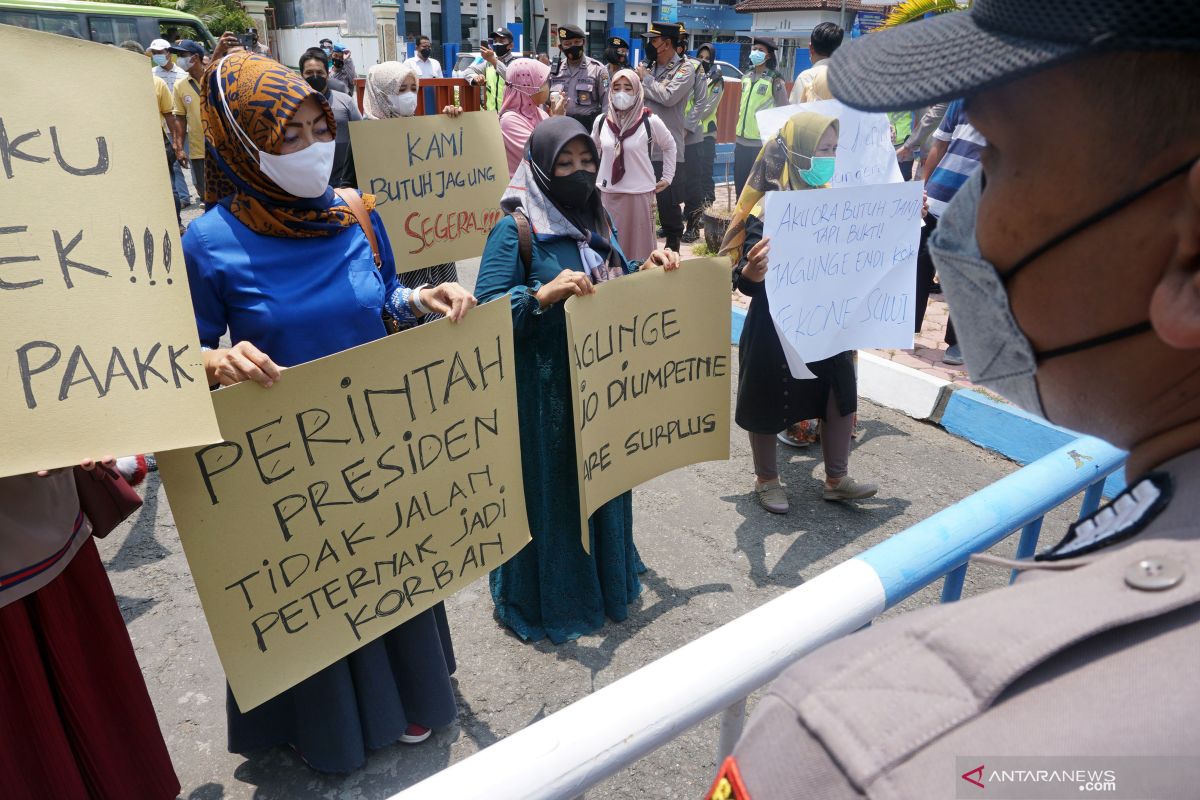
[
  {"x": 668, "y": 87},
  {"x": 585, "y": 86},
  {"x": 1094, "y": 651},
  {"x": 693, "y": 134}
]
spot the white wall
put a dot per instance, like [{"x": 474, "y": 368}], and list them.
[{"x": 292, "y": 42}]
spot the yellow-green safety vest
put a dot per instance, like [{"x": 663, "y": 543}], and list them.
[
  {"x": 757, "y": 94},
  {"x": 711, "y": 118},
  {"x": 493, "y": 92}
]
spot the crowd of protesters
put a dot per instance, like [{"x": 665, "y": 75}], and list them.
[{"x": 596, "y": 152}]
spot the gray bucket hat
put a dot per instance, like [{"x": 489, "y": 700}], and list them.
[{"x": 995, "y": 41}]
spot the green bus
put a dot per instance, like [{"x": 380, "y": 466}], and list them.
[{"x": 106, "y": 23}]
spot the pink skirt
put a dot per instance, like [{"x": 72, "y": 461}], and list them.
[{"x": 633, "y": 216}]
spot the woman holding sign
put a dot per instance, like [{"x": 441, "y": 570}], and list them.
[
  {"x": 287, "y": 267},
  {"x": 391, "y": 92},
  {"x": 770, "y": 400},
  {"x": 552, "y": 587}
]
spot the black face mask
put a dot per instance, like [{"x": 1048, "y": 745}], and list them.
[
  {"x": 574, "y": 190},
  {"x": 501, "y": 50},
  {"x": 573, "y": 52},
  {"x": 317, "y": 82},
  {"x": 613, "y": 57},
  {"x": 425, "y": 52},
  {"x": 338, "y": 64},
  {"x": 707, "y": 65}
]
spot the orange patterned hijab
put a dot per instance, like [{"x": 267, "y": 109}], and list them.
[{"x": 259, "y": 96}]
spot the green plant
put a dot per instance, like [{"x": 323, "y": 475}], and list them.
[
  {"x": 911, "y": 10},
  {"x": 218, "y": 15},
  {"x": 701, "y": 249}
]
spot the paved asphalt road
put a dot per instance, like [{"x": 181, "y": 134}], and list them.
[{"x": 713, "y": 555}]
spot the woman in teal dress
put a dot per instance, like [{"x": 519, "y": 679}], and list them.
[{"x": 553, "y": 587}]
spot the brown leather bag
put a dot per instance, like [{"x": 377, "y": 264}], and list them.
[
  {"x": 353, "y": 199},
  {"x": 105, "y": 498}
]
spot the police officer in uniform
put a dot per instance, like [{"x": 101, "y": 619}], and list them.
[
  {"x": 493, "y": 69},
  {"x": 668, "y": 81},
  {"x": 700, "y": 141},
  {"x": 762, "y": 88},
  {"x": 581, "y": 79},
  {"x": 1078, "y": 294},
  {"x": 616, "y": 55}
]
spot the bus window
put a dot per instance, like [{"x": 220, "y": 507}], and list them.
[
  {"x": 112, "y": 30},
  {"x": 65, "y": 24},
  {"x": 173, "y": 30},
  {"x": 21, "y": 19}
]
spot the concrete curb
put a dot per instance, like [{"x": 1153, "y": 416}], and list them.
[{"x": 965, "y": 413}]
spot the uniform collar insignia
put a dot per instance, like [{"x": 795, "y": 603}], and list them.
[{"x": 1128, "y": 513}]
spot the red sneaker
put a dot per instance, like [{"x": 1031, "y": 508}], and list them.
[{"x": 415, "y": 734}]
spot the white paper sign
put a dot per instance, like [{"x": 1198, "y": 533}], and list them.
[
  {"x": 865, "y": 154},
  {"x": 842, "y": 273}
]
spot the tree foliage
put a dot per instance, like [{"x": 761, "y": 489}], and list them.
[{"x": 911, "y": 10}]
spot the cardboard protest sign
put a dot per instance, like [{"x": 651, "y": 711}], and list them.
[
  {"x": 650, "y": 376},
  {"x": 98, "y": 344},
  {"x": 865, "y": 154},
  {"x": 842, "y": 273},
  {"x": 357, "y": 492},
  {"x": 437, "y": 182}
]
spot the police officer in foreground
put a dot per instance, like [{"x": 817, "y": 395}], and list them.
[
  {"x": 494, "y": 68},
  {"x": 668, "y": 80},
  {"x": 616, "y": 55},
  {"x": 1078, "y": 292},
  {"x": 581, "y": 79}
]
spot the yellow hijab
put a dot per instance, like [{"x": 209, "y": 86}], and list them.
[{"x": 774, "y": 171}]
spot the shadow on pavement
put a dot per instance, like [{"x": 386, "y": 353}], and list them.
[
  {"x": 819, "y": 528},
  {"x": 140, "y": 547},
  {"x": 599, "y": 657}
]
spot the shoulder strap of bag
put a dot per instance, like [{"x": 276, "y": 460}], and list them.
[
  {"x": 649, "y": 136},
  {"x": 524, "y": 239},
  {"x": 353, "y": 199}
]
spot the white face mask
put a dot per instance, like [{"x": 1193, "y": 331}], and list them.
[
  {"x": 304, "y": 173},
  {"x": 623, "y": 100},
  {"x": 405, "y": 104},
  {"x": 184, "y": 62}
]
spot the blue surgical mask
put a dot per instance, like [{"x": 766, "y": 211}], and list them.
[
  {"x": 998, "y": 354},
  {"x": 757, "y": 57},
  {"x": 821, "y": 171},
  {"x": 159, "y": 59}
]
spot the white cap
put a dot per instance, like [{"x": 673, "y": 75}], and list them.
[{"x": 160, "y": 44}]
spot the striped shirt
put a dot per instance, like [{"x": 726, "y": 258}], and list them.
[{"x": 961, "y": 158}]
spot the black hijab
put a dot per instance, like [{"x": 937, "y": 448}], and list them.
[{"x": 547, "y": 141}]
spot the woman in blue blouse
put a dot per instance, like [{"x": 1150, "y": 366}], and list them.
[
  {"x": 552, "y": 587},
  {"x": 282, "y": 263}
]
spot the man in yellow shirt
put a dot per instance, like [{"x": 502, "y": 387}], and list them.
[{"x": 188, "y": 138}]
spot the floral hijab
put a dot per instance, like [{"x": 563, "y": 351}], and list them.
[{"x": 248, "y": 99}]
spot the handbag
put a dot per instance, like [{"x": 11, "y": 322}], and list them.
[
  {"x": 105, "y": 498},
  {"x": 353, "y": 199}
]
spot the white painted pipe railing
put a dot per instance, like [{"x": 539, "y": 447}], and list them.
[{"x": 570, "y": 751}]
